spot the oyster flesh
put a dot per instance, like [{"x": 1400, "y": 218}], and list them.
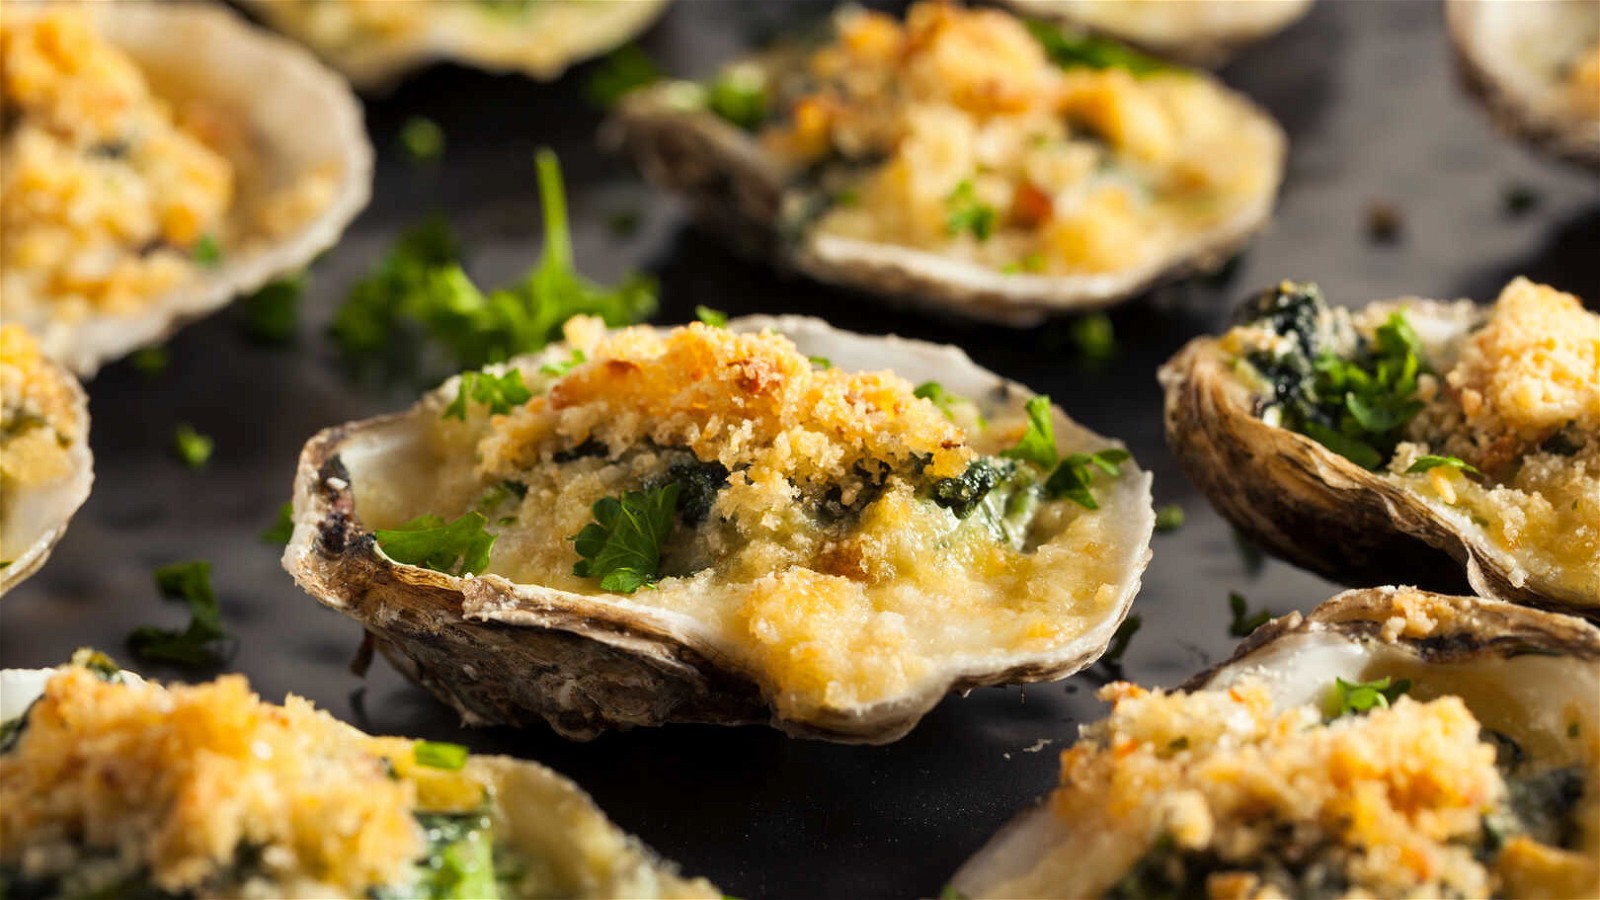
[
  {"x": 1411, "y": 438},
  {"x": 1393, "y": 743},
  {"x": 965, "y": 161},
  {"x": 746, "y": 524},
  {"x": 1198, "y": 32}
]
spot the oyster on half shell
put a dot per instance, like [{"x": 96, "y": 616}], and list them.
[
  {"x": 1536, "y": 67},
  {"x": 1198, "y": 32},
  {"x": 832, "y": 553},
  {"x": 963, "y": 161},
  {"x": 1458, "y": 735},
  {"x": 374, "y": 44},
  {"x": 1449, "y": 439},
  {"x": 46, "y": 467},
  {"x": 178, "y": 184},
  {"x": 116, "y": 786}
]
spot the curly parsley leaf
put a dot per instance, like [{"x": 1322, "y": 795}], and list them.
[
  {"x": 1244, "y": 621},
  {"x": 559, "y": 369},
  {"x": 934, "y": 392},
  {"x": 422, "y": 139},
  {"x": 1038, "y": 443},
  {"x": 1169, "y": 518},
  {"x": 459, "y": 547},
  {"x": 622, "y": 546},
  {"x": 739, "y": 96},
  {"x": 1353, "y": 697},
  {"x": 191, "y": 446},
  {"x": 1424, "y": 463},
  {"x": 439, "y": 755},
  {"x": 965, "y": 213},
  {"x": 498, "y": 392},
  {"x": 716, "y": 318},
  {"x": 1071, "y": 479},
  {"x": 200, "y": 643},
  {"x": 1070, "y": 51}
]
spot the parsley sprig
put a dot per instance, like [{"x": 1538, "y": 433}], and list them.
[
  {"x": 1427, "y": 462},
  {"x": 1038, "y": 442},
  {"x": 459, "y": 547},
  {"x": 622, "y": 546},
  {"x": 1069, "y": 51},
  {"x": 1070, "y": 477},
  {"x": 498, "y": 392},
  {"x": 200, "y": 643},
  {"x": 1353, "y": 697}
]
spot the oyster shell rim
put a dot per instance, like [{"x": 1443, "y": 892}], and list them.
[{"x": 74, "y": 488}]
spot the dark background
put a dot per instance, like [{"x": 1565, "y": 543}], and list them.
[{"x": 1368, "y": 96}]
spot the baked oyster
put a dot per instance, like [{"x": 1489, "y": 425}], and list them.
[
  {"x": 145, "y": 177},
  {"x": 111, "y": 786},
  {"x": 965, "y": 160},
  {"x": 45, "y": 464},
  {"x": 729, "y": 525},
  {"x": 1537, "y": 69},
  {"x": 374, "y": 42},
  {"x": 1412, "y": 437},
  {"x": 1198, "y": 32},
  {"x": 1393, "y": 743}
]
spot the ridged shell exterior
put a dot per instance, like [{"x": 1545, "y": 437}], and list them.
[
  {"x": 49, "y": 507},
  {"x": 515, "y": 654}
]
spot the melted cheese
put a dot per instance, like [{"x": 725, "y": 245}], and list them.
[{"x": 39, "y": 420}]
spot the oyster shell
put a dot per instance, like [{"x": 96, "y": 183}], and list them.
[
  {"x": 1318, "y": 509},
  {"x": 790, "y": 212},
  {"x": 1203, "y": 33},
  {"x": 1537, "y": 70},
  {"x": 39, "y": 394},
  {"x": 1529, "y": 678},
  {"x": 552, "y": 825},
  {"x": 503, "y": 652},
  {"x": 374, "y": 44},
  {"x": 207, "y": 55}
]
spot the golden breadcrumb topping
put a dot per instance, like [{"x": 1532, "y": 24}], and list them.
[
  {"x": 105, "y": 192},
  {"x": 1583, "y": 83},
  {"x": 39, "y": 419},
  {"x": 179, "y": 781},
  {"x": 975, "y": 144}
]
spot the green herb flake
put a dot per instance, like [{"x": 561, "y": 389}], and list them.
[
  {"x": 192, "y": 447},
  {"x": 282, "y": 529},
  {"x": 934, "y": 392},
  {"x": 622, "y": 546},
  {"x": 207, "y": 253},
  {"x": 560, "y": 369},
  {"x": 1072, "y": 478},
  {"x": 1424, "y": 463},
  {"x": 273, "y": 312},
  {"x": 1244, "y": 621},
  {"x": 1351, "y": 697},
  {"x": 1038, "y": 442},
  {"x": 440, "y": 755},
  {"x": 498, "y": 392},
  {"x": 1069, "y": 51},
  {"x": 739, "y": 96},
  {"x": 821, "y": 362},
  {"x": 1094, "y": 336},
  {"x": 625, "y": 70},
  {"x": 1169, "y": 518},
  {"x": 1119, "y": 641},
  {"x": 965, "y": 213},
  {"x": 200, "y": 643},
  {"x": 151, "y": 361},
  {"x": 716, "y": 318},
  {"x": 422, "y": 140},
  {"x": 459, "y": 547},
  {"x": 950, "y": 893}
]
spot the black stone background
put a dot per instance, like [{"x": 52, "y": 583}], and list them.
[{"x": 1368, "y": 96}]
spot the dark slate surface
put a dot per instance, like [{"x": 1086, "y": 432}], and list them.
[{"x": 1368, "y": 96}]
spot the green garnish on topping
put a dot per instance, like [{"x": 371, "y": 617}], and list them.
[
  {"x": 272, "y": 313},
  {"x": 625, "y": 70},
  {"x": 498, "y": 392},
  {"x": 207, "y": 253},
  {"x": 1038, "y": 443},
  {"x": 1424, "y": 463},
  {"x": 1070, "y": 51},
  {"x": 282, "y": 529},
  {"x": 499, "y": 494},
  {"x": 1169, "y": 518},
  {"x": 622, "y": 546},
  {"x": 422, "y": 139},
  {"x": 440, "y": 755},
  {"x": 1095, "y": 337},
  {"x": 1033, "y": 262},
  {"x": 821, "y": 362},
  {"x": 716, "y": 318},
  {"x": 966, "y": 213},
  {"x": 199, "y": 643},
  {"x": 191, "y": 446},
  {"x": 964, "y": 494},
  {"x": 151, "y": 361},
  {"x": 1350, "y": 697},
  {"x": 1071, "y": 479},
  {"x": 558, "y": 369},
  {"x": 460, "y": 862},
  {"x": 934, "y": 392},
  {"x": 739, "y": 95},
  {"x": 460, "y": 547},
  {"x": 1244, "y": 621}
]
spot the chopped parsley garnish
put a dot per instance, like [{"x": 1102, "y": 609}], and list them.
[
  {"x": 934, "y": 392},
  {"x": 821, "y": 362},
  {"x": 191, "y": 446},
  {"x": 282, "y": 529},
  {"x": 499, "y": 494},
  {"x": 422, "y": 139},
  {"x": 498, "y": 392},
  {"x": 200, "y": 643},
  {"x": 1038, "y": 443},
  {"x": 716, "y": 318},
  {"x": 1071, "y": 479},
  {"x": 1424, "y": 463},
  {"x": 151, "y": 361},
  {"x": 1169, "y": 518},
  {"x": 1095, "y": 337},
  {"x": 739, "y": 95},
  {"x": 1033, "y": 262},
  {"x": 460, "y": 547},
  {"x": 622, "y": 546},
  {"x": 1244, "y": 621},
  {"x": 1070, "y": 51},
  {"x": 420, "y": 296},
  {"x": 207, "y": 253},
  {"x": 625, "y": 70},
  {"x": 559, "y": 369},
  {"x": 964, "y": 494},
  {"x": 440, "y": 755},
  {"x": 965, "y": 213},
  {"x": 272, "y": 313},
  {"x": 1349, "y": 697}
]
